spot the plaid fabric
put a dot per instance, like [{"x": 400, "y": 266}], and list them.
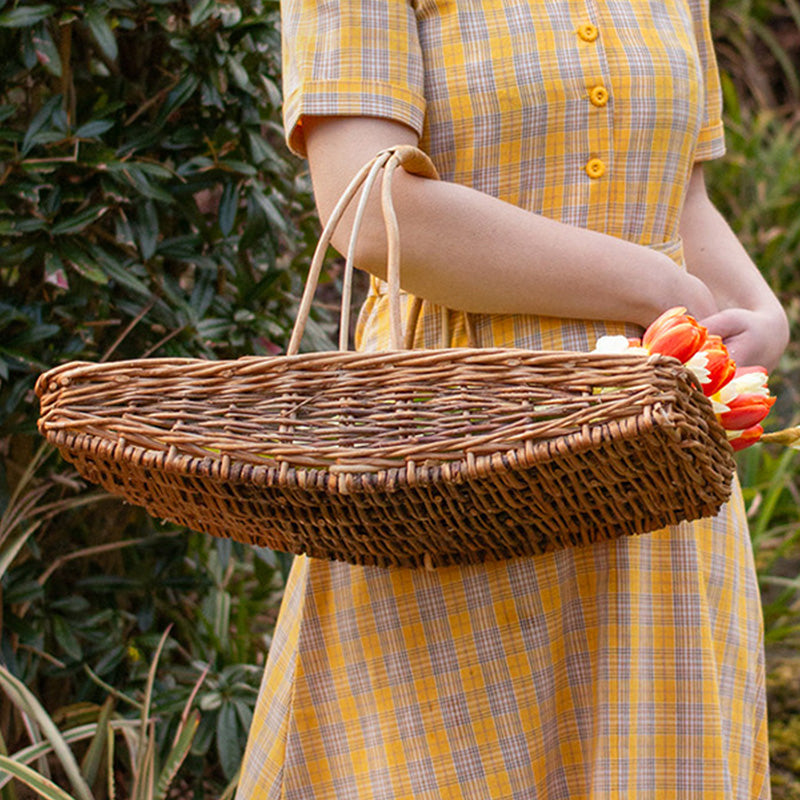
[{"x": 632, "y": 669}]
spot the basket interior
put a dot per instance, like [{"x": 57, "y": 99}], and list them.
[{"x": 375, "y": 411}]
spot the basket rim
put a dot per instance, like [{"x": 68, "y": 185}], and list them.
[{"x": 345, "y": 357}]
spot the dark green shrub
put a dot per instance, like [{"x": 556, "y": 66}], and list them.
[
  {"x": 148, "y": 207},
  {"x": 146, "y": 200}
]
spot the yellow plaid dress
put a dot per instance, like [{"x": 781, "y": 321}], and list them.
[{"x": 631, "y": 669}]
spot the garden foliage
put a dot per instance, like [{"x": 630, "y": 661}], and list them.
[{"x": 148, "y": 207}]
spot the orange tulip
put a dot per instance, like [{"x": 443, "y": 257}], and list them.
[
  {"x": 745, "y": 410},
  {"x": 741, "y": 439},
  {"x": 712, "y": 365},
  {"x": 675, "y": 334},
  {"x": 745, "y": 400}
]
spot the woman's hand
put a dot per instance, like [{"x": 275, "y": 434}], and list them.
[{"x": 754, "y": 337}]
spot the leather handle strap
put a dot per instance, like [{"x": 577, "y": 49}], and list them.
[{"x": 382, "y": 166}]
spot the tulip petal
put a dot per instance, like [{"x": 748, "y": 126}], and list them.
[
  {"x": 675, "y": 334},
  {"x": 745, "y": 410},
  {"x": 741, "y": 439}
]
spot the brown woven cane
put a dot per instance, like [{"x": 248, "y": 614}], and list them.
[{"x": 398, "y": 458}]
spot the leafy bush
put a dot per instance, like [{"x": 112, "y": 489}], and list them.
[
  {"x": 758, "y": 46},
  {"x": 146, "y": 204},
  {"x": 148, "y": 207}
]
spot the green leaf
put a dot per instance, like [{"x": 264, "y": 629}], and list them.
[
  {"x": 179, "y": 95},
  {"x": 260, "y": 149},
  {"x": 201, "y": 11},
  {"x": 40, "y": 120},
  {"x": 94, "y": 128},
  {"x": 136, "y": 175},
  {"x": 239, "y": 75},
  {"x": 80, "y": 221},
  {"x": 147, "y": 230},
  {"x": 272, "y": 90},
  {"x": 30, "y": 225},
  {"x": 47, "y": 52},
  {"x": 25, "y": 16},
  {"x": 37, "y": 332},
  {"x": 228, "y": 745},
  {"x": 83, "y": 263},
  {"x": 230, "y": 14},
  {"x": 122, "y": 274},
  {"x": 54, "y": 272},
  {"x": 102, "y": 33},
  {"x": 228, "y": 206},
  {"x": 242, "y": 167},
  {"x": 182, "y": 248},
  {"x": 274, "y": 216},
  {"x": 66, "y": 638},
  {"x": 244, "y": 713}
]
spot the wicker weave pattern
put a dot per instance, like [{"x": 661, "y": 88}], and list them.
[
  {"x": 500, "y": 452},
  {"x": 408, "y": 457}
]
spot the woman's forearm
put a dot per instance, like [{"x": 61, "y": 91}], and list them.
[
  {"x": 750, "y": 318},
  {"x": 470, "y": 251},
  {"x": 715, "y": 254}
]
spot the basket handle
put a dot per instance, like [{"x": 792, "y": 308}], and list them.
[{"x": 413, "y": 160}]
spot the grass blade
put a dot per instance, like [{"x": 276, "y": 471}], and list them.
[
  {"x": 145, "y": 755},
  {"x": 6, "y": 792},
  {"x": 34, "y": 751},
  {"x": 112, "y": 790},
  {"x": 25, "y": 701},
  {"x": 93, "y": 758},
  {"x": 777, "y": 484},
  {"x": 177, "y": 755},
  {"x": 41, "y": 785},
  {"x": 9, "y": 552},
  {"x": 110, "y": 689}
]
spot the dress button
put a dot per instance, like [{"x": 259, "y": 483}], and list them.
[
  {"x": 588, "y": 32},
  {"x": 599, "y": 96},
  {"x": 595, "y": 168}
]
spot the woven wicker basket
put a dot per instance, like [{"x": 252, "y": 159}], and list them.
[{"x": 406, "y": 457}]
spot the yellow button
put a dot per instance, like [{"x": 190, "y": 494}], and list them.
[
  {"x": 595, "y": 168},
  {"x": 588, "y": 32},
  {"x": 599, "y": 96}
]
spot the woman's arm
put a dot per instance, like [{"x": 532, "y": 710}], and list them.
[
  {"x": 750, "y": 320},
  {"x": 470, "y": 251}
]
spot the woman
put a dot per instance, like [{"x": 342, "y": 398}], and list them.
[{"x": 570, "y": 137}]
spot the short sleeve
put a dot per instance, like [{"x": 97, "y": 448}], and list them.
[
  {"x": 711, "y": 141},
  {"x": 350, "y": 58}
]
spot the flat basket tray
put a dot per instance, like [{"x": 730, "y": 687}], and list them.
[{"x": 403, "y": 458}]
